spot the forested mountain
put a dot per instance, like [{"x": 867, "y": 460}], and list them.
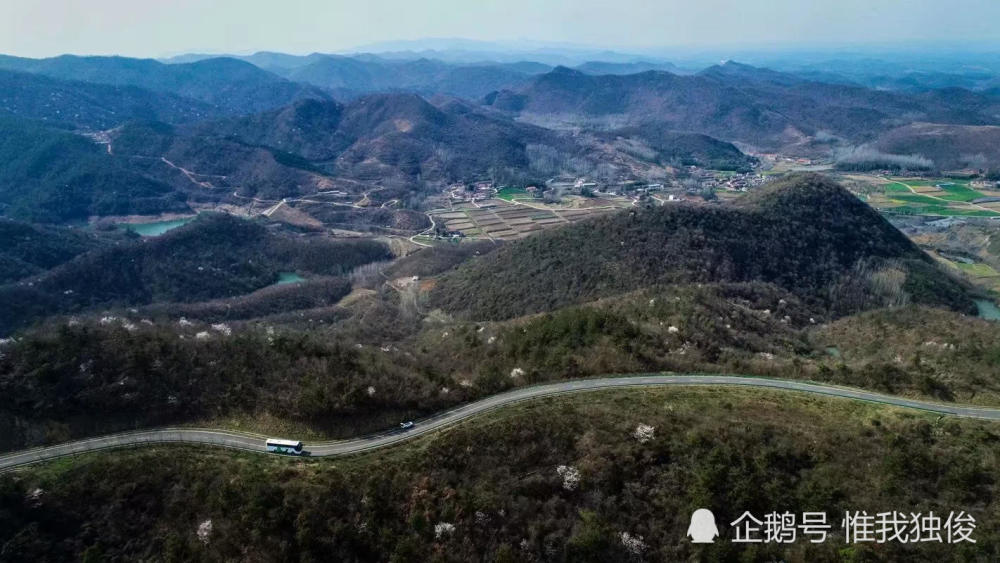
[
  {"x": 228, "y": 85},
  {"x": 948, "y": 146},
  {"x": 355, "y": 76},
  {"x": 50, "y": 175},
  {"x": 30, "y": 249},
  {"x": 93, "y": 106},
  {"x": 214, "y": 256},
  {"x": 683, "y": 149},
  {"x": 150, "y": 167},
  {"x": 602, "y": 67},
  {"x": 806, "y": 235},
  {"x": 733, "y": 102},
  {"x": 386, "y": 137}
]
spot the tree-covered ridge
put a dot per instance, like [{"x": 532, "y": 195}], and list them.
[
  {"x": 805, "y": 234},
  {"x": 676, "y": 148},
  {"x": 31, "y": 249},
  {"x": 215, "y": 256},
  {"x": 221, "y": 85},
  {"x": 76, "y": 381},
  {"x": 736, "y": 102},
  {"x": 50, "y": 175},
  {"x": 88, "y": 105},
  {"x": 397, "y": 136},
  {"x": 402, "y": 366},
  {"x": 602, "y": 477}
]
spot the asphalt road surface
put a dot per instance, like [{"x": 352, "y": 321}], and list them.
[{"x": 255, "y": 443}]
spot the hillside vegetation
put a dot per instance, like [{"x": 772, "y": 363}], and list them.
[
  {"x": 399, "y": 136},
  {"x": 735, "y": 102},
  {"x": 31, "y": 249},
  {"x": 688, "y": 149},
  {"x": 361, "y": 366},
  {"x": 48, "y": 175},
  {"x": 948, "y": 146},
  {"x": 84, "y": 104},
  {"x": 806, "y": 235},
  {"x": 227, "y": 86},
  {"x": 215, "y": 256},
  {"x": 585, "y": 485},
  {"x": 75, "y": 381}
]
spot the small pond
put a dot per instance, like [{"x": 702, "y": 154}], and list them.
[
  {"x": 156, "y": 228},
  {"x": 288, "y": 277}
]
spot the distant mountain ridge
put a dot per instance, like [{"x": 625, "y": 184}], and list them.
[
  {"x": 398, "y": 141},
  {"x": 379, "y": 137},
  {"x": 70, "y": 104},
  {"x": 354, "y": 76},
  {"x": 229, "y": 85},
  {"x": 735, "y": 102}
]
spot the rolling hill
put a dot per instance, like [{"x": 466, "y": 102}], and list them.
[
  {"x": 70, "y": 103},
  {"x": 50, "y": 175},
  {"x": 805, "y": 235},
  {"x": 400, "y": 139},
  {"x": 387, "y": 138},
  {"x": 228, "y": 85},
  {"x": 355, "y": 76},
  {"x": 948, "y": 146},
  {"x": 214, "y": 257},
  {"x": 30, "y": 249},
  {"x": 733, "y": 102},
  {"x": 682, "y": 149}
]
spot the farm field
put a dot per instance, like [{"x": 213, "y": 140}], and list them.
[
  {"x": 922, "y": 196},
  {"x": 979, "y": 273},
  {"x": 978, "y": 270},
  {"x": 508, "y": 194},
  {"x": 503, "y": 219}
]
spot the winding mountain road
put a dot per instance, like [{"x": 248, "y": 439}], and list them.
[{"x": 255, "y": 443}]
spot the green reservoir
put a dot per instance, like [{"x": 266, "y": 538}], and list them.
[
  {"x": 288, "y": 277},
  {"x": 156, "y": 228}
]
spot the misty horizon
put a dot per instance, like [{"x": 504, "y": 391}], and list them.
[{"x": 115, "y": 27}]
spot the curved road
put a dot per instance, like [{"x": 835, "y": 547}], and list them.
[{"x": 255, "y": 442}]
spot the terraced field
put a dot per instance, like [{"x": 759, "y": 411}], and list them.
[{"x": 500, "y": 219}]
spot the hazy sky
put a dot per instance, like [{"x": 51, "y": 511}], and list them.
[{"x": 162, "y": 27}]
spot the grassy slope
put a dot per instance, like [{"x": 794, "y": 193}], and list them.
[{"x": 495, "y": 480}]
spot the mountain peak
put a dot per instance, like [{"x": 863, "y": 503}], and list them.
[
  {"x": 805, "y": 234},
  {"x": 565, "y": 71}
]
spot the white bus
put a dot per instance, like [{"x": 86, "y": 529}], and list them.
[{"x": 289, "y": 447}]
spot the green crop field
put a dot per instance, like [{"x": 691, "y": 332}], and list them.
[
  {"x": 953, "y": 211},
  {"x": 915, "y": 198},
  {"x": 979, "y": 270},
  {"x": 896, "y": 187},
  {"x": 918, "y": 182},
  {"x": 942, "y": 210},
  {"x": 959, "y": 192},
  {"x": 508, "y": 194}
]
